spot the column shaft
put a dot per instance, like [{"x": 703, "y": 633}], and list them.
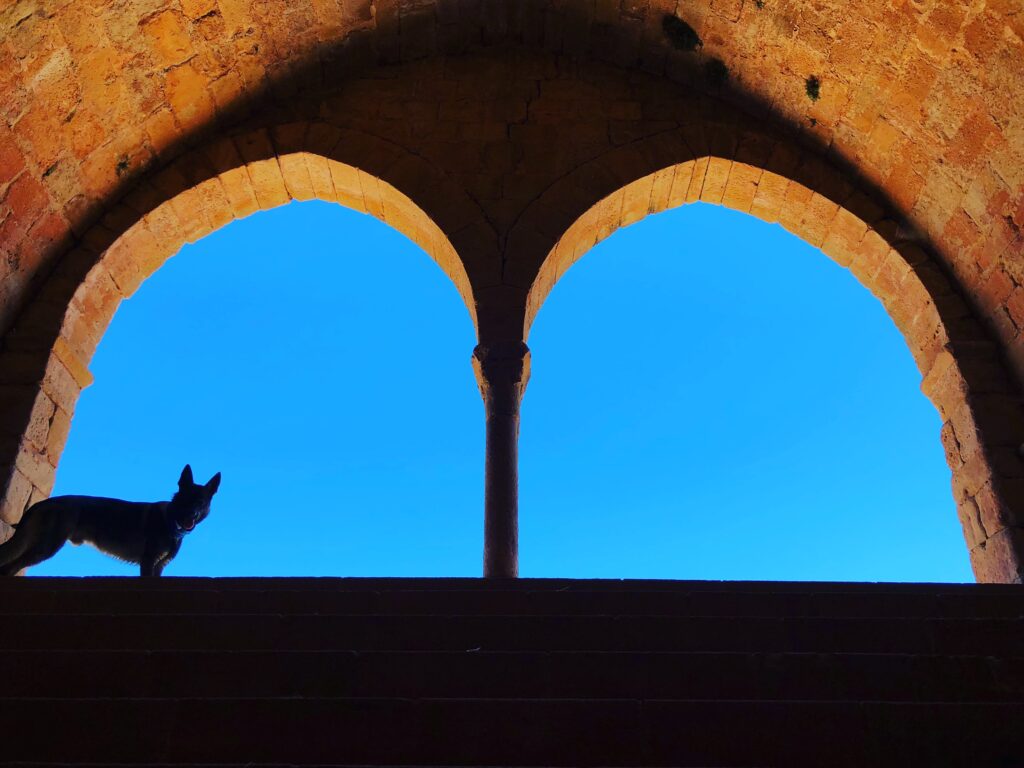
[{"x": 502, "y": 372}]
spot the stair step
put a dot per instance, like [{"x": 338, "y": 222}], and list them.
[
  {"x": 531, "y": 597},
  {"x": 501, "y": 732},
  {"x": 491, "y": 586},
  {"x": 431, "y": 672},
  {"x": 724, "y": 676},
  {"x": 514, "y": 633}
]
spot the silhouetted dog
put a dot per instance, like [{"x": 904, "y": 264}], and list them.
[{"x": 147, "y": 533}]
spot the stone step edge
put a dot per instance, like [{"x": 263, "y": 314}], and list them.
[{"x": 520, "y": 702}]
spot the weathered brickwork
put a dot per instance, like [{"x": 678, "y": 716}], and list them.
[{"x": 506, "y": 138}]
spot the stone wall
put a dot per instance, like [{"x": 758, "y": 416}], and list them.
[{"x": 506, "y": 138}]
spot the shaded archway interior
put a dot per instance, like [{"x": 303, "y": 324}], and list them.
[
  {"x": 274, "y": 352},
  {"x": 729, "y": 404}
]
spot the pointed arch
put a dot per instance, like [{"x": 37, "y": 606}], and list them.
[
  {"x": 46, "y": 355},
  {"x": 962, "y": 372}
]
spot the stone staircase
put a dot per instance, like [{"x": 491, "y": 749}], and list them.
[{"x": 432, "y": 672}]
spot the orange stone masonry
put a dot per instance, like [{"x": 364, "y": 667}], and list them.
[{"x": 506, "y": 138}]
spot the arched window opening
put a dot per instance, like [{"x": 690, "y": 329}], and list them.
[
  {"x": 712, "y": 398},
  {"x": 319, "y": 360}
]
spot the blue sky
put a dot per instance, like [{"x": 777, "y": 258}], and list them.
[{"x": 711, "y": 399}]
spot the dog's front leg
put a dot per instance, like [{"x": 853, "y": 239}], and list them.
[{"x": 151, "y": 566}]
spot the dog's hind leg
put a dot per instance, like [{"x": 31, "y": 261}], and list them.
[
  {"x": 13, "y": 568},
  {"x": 36, "y": 538},
  {"x": 43, "y": 550},
  {"x": 12, "y": 550}
]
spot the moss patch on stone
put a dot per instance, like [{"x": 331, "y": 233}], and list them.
[
  {"x": 680, "y": 34},
  {"x": 813, "y": 87}
]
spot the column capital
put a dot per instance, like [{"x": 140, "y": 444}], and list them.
[{"x": 502, "y": 373}]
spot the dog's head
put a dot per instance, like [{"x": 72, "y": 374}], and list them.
[{"x": 191, "y": 504}]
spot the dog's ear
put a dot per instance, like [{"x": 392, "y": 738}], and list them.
[
  {"x": 186, "y": 477},
  {"x": 214, "y": 484}
]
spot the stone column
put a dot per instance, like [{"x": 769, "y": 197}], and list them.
[{"x": 502, "y": 371}]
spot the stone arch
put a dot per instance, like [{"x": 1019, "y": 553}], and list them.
[
  {"x": 44, "y": 363},
  {"x": 509, "y": 98},
  {"x": 963, "y": 373}
]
